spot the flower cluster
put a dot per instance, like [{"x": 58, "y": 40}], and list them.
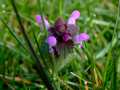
[{"x": 63, "y": 34}]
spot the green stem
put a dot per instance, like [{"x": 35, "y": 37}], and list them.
[
  {"x": 115, "y": 35},
  {"x": 60, "y": 7}
]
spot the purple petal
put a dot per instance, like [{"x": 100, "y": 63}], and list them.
[
  {"x": 39, "y": 21},
  {"x": 51, "y": 40},
  {"x": 76, "y": 39},
  {"x": 81, "y": 37},
  {"x": 47, "y": 25},
  {"x": 75, "y": 14},
  {"x": 84, "y": 37},
  {"x": 71, "y": 21}
]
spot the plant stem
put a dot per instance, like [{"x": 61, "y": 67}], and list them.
[
  {"x": 60, "y": 7},
  {"x": 115, "y": 35}
]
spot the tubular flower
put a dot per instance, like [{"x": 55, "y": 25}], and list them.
[
  {"x": 39, "y": 21},
  {"x": 51, "y": 40},
  {"x": 63, "y": 35}
]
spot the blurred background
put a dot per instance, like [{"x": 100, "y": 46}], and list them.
[{"x": 95, "y": 67}]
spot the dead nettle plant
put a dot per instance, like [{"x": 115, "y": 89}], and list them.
[
  {"x": 61, "y": 39},
  {"x": 63, "y": 34}
]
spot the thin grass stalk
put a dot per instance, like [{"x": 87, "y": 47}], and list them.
[
  {"x": 51, "y": 11},
  {"x": 113, "y": 63},
  {"x": 12, "y": 33},
  {"x": 60, "y": 7},
  {"x": 36, "y": 41},
  {"x": 46, "y": 31},
  {"x": 115, "y": 35},
  {"x": 39, "y": 67},
  {"x": 91, "y": 61}
]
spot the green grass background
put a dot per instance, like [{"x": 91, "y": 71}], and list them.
[{"x": 98, "y": 63}]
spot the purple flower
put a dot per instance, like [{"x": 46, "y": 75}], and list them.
[
  {"x": 74, "y": 16},
  {"x": 63, "y": 34},
  {"x": 84, "y": 37},
  {"x": 76, "y": 39},
  {"x": 39, "y": 21},
  {"x": 51, "y": 40},
  {"x": 81, "y": 37}
]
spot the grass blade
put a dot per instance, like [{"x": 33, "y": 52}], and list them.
[{"x": 43, "y": 74}]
